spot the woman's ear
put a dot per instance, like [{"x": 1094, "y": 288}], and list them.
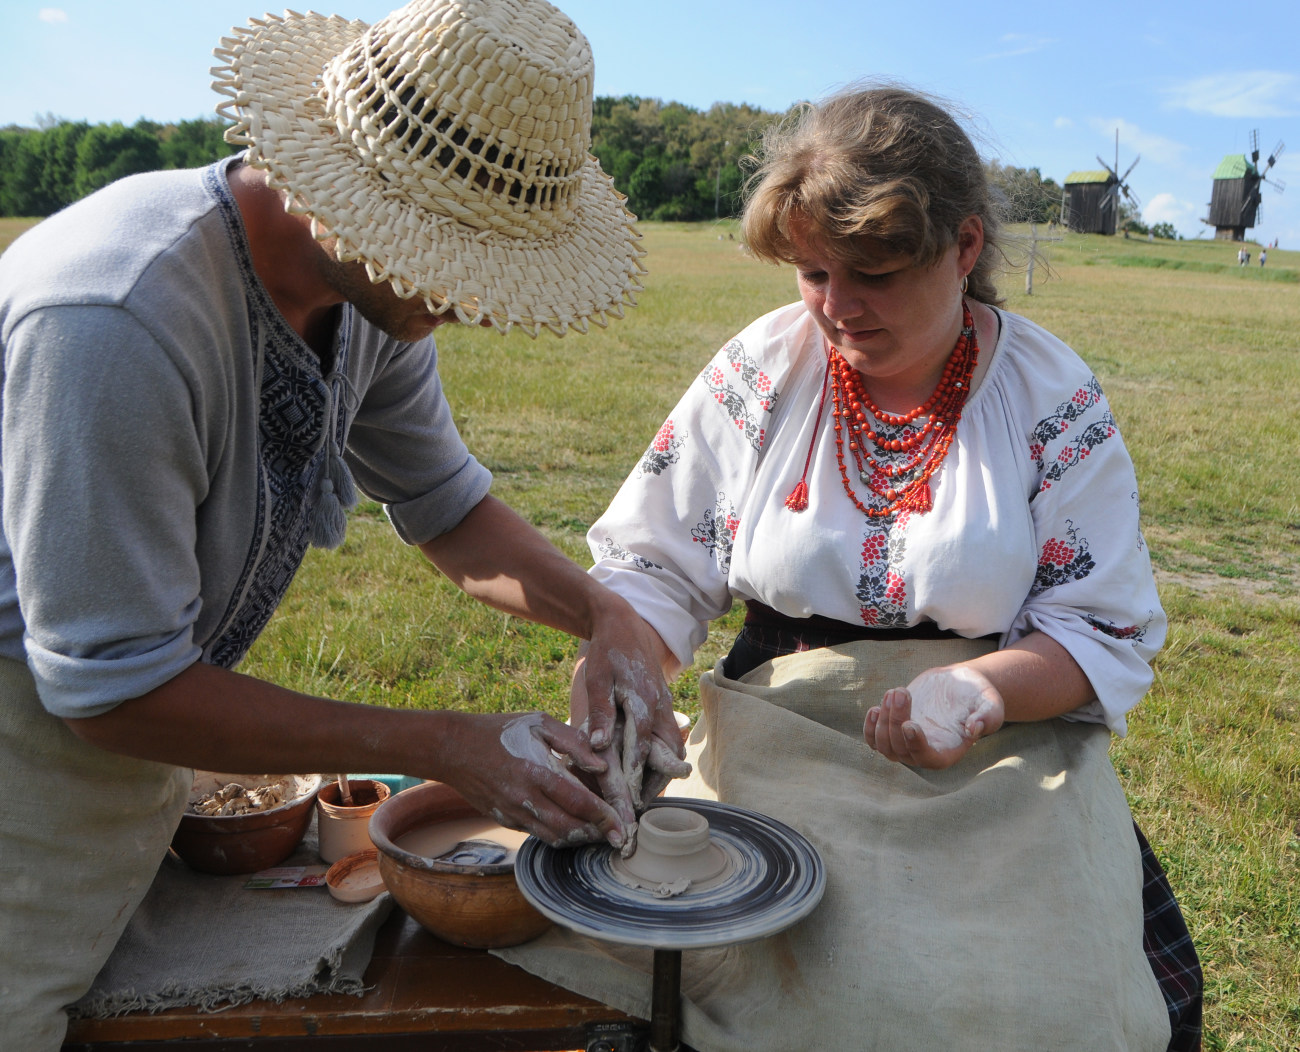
[{"x": 970, "y": 242}]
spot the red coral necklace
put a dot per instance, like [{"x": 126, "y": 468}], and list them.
[{"x": 901, "y": 483}]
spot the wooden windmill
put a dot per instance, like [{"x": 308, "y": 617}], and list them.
[
  {"x": 1091, "y": 198},
  {"x": 1235, "y": 201}
]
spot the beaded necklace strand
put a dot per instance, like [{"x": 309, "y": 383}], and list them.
[{"x": 897, "y": 485}]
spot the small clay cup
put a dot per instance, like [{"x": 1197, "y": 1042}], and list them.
[
  {"x": 342, "y": 830},
  {"x": 474, "y": 905},
  {"x": 672, "y": 843}
]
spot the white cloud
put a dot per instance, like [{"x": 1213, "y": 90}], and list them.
[
  {"x": 1019, "y": 44},
  {"x": 1133, "y": 140},
  {"x": 1260, "y": 94},
  {"x": 52, "y": 14},
  {"x": 1166, "y": 208},
  {"x": 1169, "y": 208},
  {"x": 1063, "y": 122}
]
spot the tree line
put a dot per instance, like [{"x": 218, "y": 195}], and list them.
[
  {"x": 674, "y": 162},
  {"x": 46, "y": 168}
]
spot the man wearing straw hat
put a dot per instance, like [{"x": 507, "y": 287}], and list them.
[{"x": 201, "y": 367}]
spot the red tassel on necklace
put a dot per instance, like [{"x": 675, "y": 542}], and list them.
[{"x": 798, "y": 499}]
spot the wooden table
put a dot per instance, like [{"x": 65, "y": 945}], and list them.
[{"x": 423, "y": 994}]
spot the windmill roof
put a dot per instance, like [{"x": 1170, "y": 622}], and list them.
[
  {"x": 1234, "y": 166},
  {"x": 1098, "y": 175}
]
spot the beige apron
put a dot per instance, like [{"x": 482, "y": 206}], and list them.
[
  {"x": 993, "y": 906},
  {"x": 82, "y": 832}
]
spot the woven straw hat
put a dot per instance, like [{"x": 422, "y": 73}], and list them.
[{"x": 447, "y": 148}]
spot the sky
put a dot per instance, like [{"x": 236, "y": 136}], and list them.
[{"x": 1183, "y": 83}]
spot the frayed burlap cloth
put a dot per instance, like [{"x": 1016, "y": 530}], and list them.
[
  {"x": 208, "y": 941},
  {"x": 993, "y": 906}
]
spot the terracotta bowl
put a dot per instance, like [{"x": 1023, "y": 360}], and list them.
[
  {"x": 469, "y": 905},
  {"x": 245, "y": 843}
]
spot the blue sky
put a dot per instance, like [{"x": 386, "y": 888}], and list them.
[{"x": 1184, "y": 83}]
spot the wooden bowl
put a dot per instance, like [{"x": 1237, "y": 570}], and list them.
[
  {"x": 469, "y": 905},
  {"x": 244, "y": 843}
]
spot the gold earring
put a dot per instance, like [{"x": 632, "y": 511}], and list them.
[{"x": 965, "y": 284}]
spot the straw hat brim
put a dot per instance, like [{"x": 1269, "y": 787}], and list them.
[{"x": 587, "y": 272}]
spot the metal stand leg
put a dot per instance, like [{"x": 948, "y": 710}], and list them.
[{"x": 665, "y": 1002}]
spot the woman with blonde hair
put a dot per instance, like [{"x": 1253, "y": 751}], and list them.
[{"x": 925, "y": 503}]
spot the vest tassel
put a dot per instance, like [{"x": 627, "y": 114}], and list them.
[{"x": 337, "y": 494}]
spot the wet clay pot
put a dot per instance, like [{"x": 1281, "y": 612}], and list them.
[{"x": 477, "y": 905}]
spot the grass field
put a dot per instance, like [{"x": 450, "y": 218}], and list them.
[{"x": 1201, "y": 361}]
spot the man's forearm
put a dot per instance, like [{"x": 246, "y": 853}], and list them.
[
  {"x": 214, "y": 719},
  {"x": 500, "y": 559}
]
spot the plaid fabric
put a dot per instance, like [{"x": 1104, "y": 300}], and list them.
[
  {"x": 1165, "y": 938},
  {"x": 1169, "y": 949}
]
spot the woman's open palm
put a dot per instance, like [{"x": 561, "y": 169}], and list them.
[{"x": 936, "y": 718}]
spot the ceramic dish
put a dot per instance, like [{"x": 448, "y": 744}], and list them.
[{"x": 356, "y": 878}]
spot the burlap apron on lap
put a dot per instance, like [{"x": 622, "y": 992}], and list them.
[
  {"x": 993, "y": 906},
  {"x": 82, "y": 832}
]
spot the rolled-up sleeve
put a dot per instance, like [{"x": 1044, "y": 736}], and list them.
[
  {"x": 405, "y": 451},
  {"x": 103, "y": 471}
]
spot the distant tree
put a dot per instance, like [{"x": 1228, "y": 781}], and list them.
[
  {"x": 1130, "y": 219},
  {"x": 1024, "y": 194},
  {"x": 674, "y": 162},
  {"x": 193, "y": 144},
  {"x": 46, "y": 168},
  {"x": 1165, "y": 230},
  {"x": 20, "y": 172},
  {"x": 107, "y": 152},
  {"x": 59, "y": 178}
]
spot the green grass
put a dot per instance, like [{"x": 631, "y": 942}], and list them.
[
  {"x": 11, "y": 228},
  {"x": 1201, "y": 361}
]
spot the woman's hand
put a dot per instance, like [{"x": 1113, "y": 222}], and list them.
[
  {"x": 633, "y": 731},
  {"x": 936, "y": 718}
]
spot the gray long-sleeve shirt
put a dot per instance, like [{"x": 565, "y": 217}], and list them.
[{"x": 164, "y": 431}]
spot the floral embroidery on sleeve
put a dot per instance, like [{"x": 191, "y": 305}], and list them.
[
  {"x": 732, "y": 400},
  {"x": 754, "y": 377},
  {"x": 1062, "y": 560},
  {"x": 663, "y": 451},
  {"x": 611, "y": 549},
  {"x": 881, "y": 590},
  {"x": 1133, "y": 633},
  {"x": 1058, "y": 423},
  {"x": 1093, "y": 435},
  {"x": 718, "y": 531}
]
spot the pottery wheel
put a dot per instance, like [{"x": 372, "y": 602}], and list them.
[{"x": 776, "y": 879}]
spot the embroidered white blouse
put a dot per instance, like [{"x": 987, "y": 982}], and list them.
[{"x": 1034, "y": 525}]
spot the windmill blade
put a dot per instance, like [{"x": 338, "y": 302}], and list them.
[
  {"x": 1107, "y": 167},
  {"x": 1254, "y": 146},
  {"x": 1272, "y": 157},
  {"x": 1131, "y": 167},
  {"x": 1252, "y": 201},
  {"x": 1277, "y": 184}
]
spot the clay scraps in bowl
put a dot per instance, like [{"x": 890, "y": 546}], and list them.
[{"x": 234, "y": 798}]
